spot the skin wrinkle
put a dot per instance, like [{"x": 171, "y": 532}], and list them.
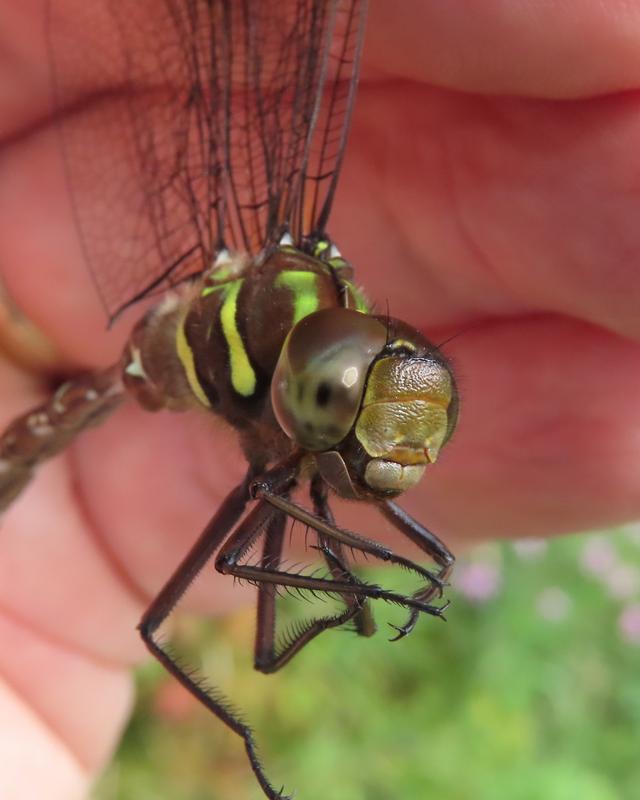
[
  {"x": 393, "y": 220},
  {"x": 33, "y": 705},
  {"x": 61, "y": 644},
  {"x": 465, "y": 50},
  {"x": 86, "y": 769},
  {"x": 406, "y": 248},
  {"x": 447, "y": 179},
  {"x": 22, "y": 133},
  {"x": 580, "y": 129},
  {"x": 463, "y": 225},
  {"x": 493, "y": 115},
  {"x": 564, "y": 130},
  {"x": 560, "y": 424},
  {"x": 88, "y": 766},
  {"x": 400, "y": 222}
]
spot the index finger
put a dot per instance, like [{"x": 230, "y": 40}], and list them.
[{"x": 535, "y": 49}]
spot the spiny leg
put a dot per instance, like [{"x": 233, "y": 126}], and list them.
[
  {"x": 245, "y": 535},
  {"x": 363, "y": 620},
  {"x": 211, "y": 538},
  {"x": 267, "y": 659},
  {"x": 47, "y": 429},
  {"x": 430, "y": 544},
  {"x": 336, "y": 534},
  {"x": 264, "y": 649}
]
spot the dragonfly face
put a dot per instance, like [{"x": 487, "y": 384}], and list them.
[{"x": 224, "y": 148}]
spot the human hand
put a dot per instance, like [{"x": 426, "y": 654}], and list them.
[{"x": 516, "y": 214}]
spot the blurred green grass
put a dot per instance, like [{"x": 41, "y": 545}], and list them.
[{"x": 531, "y": 690}]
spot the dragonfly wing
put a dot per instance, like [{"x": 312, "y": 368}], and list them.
[{"x": 191, "y": 125}]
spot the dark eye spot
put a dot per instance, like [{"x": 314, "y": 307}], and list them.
[{"x": 323, "y": 394}]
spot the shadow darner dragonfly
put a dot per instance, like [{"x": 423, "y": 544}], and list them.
[{"x": 229, "y": 123}]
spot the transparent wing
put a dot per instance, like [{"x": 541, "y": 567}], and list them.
[{"x": 190, "y": 125}]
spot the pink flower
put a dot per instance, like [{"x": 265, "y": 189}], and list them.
[
  {"x": 478, "y": 582},
  {"x": 598, "y": 557},
  {"x": 629, "y": 624}
]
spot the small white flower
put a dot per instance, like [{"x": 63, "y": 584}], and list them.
[
  {"x": 530, "y": 549},
  {"x": 554, "y": 604},
  {"x": 623, "y": 581}
]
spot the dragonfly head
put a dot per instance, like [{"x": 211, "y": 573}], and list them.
[{"x": 369, "y": 396}]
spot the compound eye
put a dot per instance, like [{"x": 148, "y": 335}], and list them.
[{"x": 318, "y": 383}]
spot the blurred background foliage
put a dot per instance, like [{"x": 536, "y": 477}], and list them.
[{"x": 531, "y": 690}]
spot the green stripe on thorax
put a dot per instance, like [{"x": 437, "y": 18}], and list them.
[{"x": 304, "y": 287}]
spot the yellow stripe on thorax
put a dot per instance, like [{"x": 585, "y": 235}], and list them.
[
  {"x": 185, "y": 354},
  {"x": 243, "y": 377}
]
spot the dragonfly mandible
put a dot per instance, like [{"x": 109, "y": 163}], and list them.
[{"x": 228, "y": 130}]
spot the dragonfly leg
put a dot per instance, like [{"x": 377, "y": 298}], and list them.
[
  {"x": 268, "y": 658},
  {"x": 238, "y": 544},
  {"x": 211, "y": 538},
  {"x": 44, "y": 431},
  {"x": 363, "y": 619},
  {"x": 348, "y": 538},
  {"x": 430, "y": 544}
]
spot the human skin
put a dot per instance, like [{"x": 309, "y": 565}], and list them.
[{"x": 491, "y": 191}]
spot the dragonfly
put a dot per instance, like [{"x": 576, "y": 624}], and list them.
[{"x": 228, "y": 128}]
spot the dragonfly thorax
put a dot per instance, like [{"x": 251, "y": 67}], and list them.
[{"x": 215, "y": 344}]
